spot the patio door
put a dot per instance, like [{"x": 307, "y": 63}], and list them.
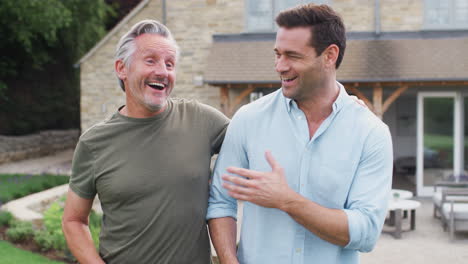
[{"x": 439, "y": 139}]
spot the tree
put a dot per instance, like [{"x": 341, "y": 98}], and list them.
[
  {"x": 28, "y": 30},
  {"x": 41, "y": 41}
]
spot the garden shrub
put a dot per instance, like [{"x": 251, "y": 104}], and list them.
[
  {"x": 95, "y": 221},
  {"x": 20, "y": 231},
  {"x": 5, "y": 218},
  {"x": 51, "y": 235}
]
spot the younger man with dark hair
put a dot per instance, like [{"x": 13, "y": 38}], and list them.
[{"x": 324, "y": 196}]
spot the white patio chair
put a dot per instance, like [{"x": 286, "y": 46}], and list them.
[
  {"x": 446, "y": 185},
  {"x": 454, "y": 210}
]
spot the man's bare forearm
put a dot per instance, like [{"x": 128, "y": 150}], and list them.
[
  {"x": 76, "y": 230},
  {"x": 270, "y": 189},
  {"x": 329, "y": 224},
  {"x": 80, "y": 242},
  {"x": 223, "y": 235}
]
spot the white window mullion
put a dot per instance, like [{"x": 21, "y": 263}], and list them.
[{"x": 458, "y": 136}]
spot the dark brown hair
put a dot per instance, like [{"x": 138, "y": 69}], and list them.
[{"x": 326, "y": 26}]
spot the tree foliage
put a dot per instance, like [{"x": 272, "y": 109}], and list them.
[
  {"x": 29, "y": 29},
  {"x": 41, "y": 40}
]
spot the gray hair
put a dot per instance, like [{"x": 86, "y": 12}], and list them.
[{"x": 126, "y": 45}]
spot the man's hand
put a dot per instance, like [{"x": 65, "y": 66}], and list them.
[
  {"x": 267, "y": 189},
  {"x": 359, "y": 101},
  {"x": 270, "y": 189}
]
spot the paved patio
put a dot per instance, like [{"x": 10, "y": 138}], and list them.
[{"x": 428, "y": 244}]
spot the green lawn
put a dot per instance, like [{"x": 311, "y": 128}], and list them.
[
  {"x": 438, "y": 141},
  {"x": 13, "y": 186},
  {"x": 12, "y": 255}
]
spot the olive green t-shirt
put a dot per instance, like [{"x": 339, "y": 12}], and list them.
[{"x": 151, "y": 175}]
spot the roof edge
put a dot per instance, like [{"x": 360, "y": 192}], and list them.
[
  {"x": 421, "y": 34},
  {"x": 403, "y": 80},
  {"x": 122, "y": 22},
  {"x": 240, "y": 82},
  {"x": 351, "y": 35}
]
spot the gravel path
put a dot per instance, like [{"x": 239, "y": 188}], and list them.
[{"x": 58, "y": 163}]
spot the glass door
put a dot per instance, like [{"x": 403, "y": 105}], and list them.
[{"x": 439, "y": 127}]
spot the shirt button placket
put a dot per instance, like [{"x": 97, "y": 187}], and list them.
[
  {"x": 298, "y": 253},
  {"x": 301, "y": 231}
]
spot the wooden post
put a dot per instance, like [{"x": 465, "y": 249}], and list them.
[
  {"x": 250, "y": 88},
  {"x": 377, "y": 100},
  {"x": 225, "y": 99}
]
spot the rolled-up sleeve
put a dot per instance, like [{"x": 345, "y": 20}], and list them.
[
  {"x": 232, "y": 153},
  {"x": 367, "y": 203}
]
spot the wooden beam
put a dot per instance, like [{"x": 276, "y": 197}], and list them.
[
  {"x": 250, "y": 88},
  {"x": 393, "y": 97},
  {"x": 361, "y": 96},
  {"x": 409, "y": 83},
  {"x": 355, "y": 84},
  {"x": 377, "y": 100},
  {"x": 243, "y": 85}
]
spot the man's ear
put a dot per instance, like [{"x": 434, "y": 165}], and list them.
[
  {"x": 120, "y": 69},
  {"x": 331, "y": 55}
]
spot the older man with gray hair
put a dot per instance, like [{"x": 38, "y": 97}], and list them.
[{"x": 148, "y": 162}]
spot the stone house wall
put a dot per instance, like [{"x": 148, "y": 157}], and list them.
[{"x": 193, "y": 23}]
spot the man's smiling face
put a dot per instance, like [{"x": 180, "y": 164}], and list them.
[
  {"x": 297, "y": 63},
  {"x": 150, "y": 76}
]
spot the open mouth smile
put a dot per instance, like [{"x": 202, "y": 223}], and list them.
[
  {"x": 288, "y": 80},
  {"x": 157, "y": 86}
]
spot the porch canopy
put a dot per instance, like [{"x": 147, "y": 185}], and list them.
[{"x": 403, "y": 59}]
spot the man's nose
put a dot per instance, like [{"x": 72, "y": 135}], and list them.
[
  {"x": 281, "y": 65},
  {"x": 160, "y": 69}
]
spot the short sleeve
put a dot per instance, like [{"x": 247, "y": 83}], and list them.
[
  {"x": 82, "y": 176},
  {"x": 217, "y": 126}
]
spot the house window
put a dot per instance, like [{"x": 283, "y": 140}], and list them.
[
  {"x": 261, "y": 13},
  {"x": 446, "y": 14}
]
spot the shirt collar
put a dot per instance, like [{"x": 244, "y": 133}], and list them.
[
  {"x": 342, "y": 98},
  {"x": 337, "y": 104}
]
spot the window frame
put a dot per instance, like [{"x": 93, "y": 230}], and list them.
[
  {"x": 451, "y": 25},
  {"x": 273, "y": 28}
]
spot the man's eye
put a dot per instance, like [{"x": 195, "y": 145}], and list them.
[
  {"x": 169, "y": 65},
  {"x": 150, "y": 61}
]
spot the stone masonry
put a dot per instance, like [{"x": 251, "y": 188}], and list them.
[{"x": 14, "y": 148}]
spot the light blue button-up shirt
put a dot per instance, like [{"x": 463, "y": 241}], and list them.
[{"x": 346, "y": 165}]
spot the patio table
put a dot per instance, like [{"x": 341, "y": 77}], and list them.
[
  {"x": 402, "y": 194},
  {"x": 396, "y": 208}
]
